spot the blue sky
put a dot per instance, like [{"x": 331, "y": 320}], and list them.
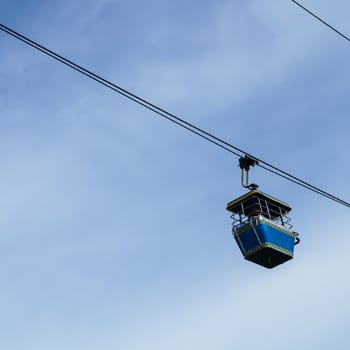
[{"x": 113, "y": 228}]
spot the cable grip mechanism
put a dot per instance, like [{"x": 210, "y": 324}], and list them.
[{"x": 245, "y": 163}]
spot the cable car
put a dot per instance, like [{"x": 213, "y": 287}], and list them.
[{"x": 261, "y": 227}]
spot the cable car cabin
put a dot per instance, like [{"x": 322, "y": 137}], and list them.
[{"x": 262, "y": 228}]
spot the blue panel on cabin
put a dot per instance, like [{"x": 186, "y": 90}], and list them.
[
  {"x": 275, "y": 236},
  {"x": 248, "y": 239},
  {"x": 271, "y": 234}
]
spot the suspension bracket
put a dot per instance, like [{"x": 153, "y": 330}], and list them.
[{"x": 245, "y": 163}]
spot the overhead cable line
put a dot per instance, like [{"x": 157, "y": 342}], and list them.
[
  {"x": 171, "y": 117},
  {"x": 321, "y": 20}
]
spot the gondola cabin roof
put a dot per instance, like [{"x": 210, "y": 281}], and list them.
[{"x": 259, "y": 201}]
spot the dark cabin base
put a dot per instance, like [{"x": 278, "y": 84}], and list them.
[{"x": 268, "y": 257}]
